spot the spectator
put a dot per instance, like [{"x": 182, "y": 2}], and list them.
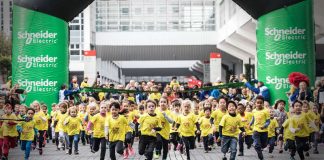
[{"x": 261, "y": 89}]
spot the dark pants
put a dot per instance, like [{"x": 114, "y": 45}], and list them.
[
  {"x": 128, "y": 139},
  {"x": 189, "y": 143},
  {"x": 229, "y": 143},
  {"x": 248, "y": 141},
  {"x": 162, "y": 144},
  {"x": 208, "y": 141},
  {"x": 260, "y": 142},
  {"x": 271, "y": 142},
  {"x": 49, "y": 133},
  {"x": 73, "y": 139},
  {"x": 302, "y": 144},
  {"x": 217, "y": 136},
  {"x": 290, "y": 144},
  {"x": 116, "y": 146},
  {"x": 198, "y": 136},
  {"x": 174, "y": 139},
  {"x": 146, "y": 146},
  {"x": 57, "y": 138},
  {"x": 102, "y": 143},
  {"x": 82, "y": 137},
  {"x": 40, "y": 138}
]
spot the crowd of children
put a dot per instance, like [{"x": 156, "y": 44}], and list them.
[{"x": 162, "y": 124}]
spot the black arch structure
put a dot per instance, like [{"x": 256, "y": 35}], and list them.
[
  {"x": 257, "y": 8},
  {"x": 63, "y": 9}
]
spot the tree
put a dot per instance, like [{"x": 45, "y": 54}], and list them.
[{"x": 5, "y": 56}]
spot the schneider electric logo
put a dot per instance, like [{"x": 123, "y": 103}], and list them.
[
  {"x": 41, "y": 37},
  {"x": 42, "y": 61},
  {"x": 279, "y": 83},
  {"x": 43, "y": 85},
  {"x": 293, "y": 57},
  {"x": 292, "y": 33}
]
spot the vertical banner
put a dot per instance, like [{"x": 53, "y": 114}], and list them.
[
  {"x": 90, "y": 65},
  {"x": 285, "y": 44},
  {"x": 215, "y": 66},
  {"x": 39, "y": 54}
]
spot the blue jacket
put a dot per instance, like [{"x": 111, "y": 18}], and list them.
[{"x": 262, "y": 91}]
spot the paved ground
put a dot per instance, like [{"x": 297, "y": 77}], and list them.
[{"x": 50, "y": 153}]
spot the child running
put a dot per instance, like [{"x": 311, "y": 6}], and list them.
[
  {"x": 27, "y": 130},
  {"x": 150, "y": 124},
  {"x": 229, "y": 129}
]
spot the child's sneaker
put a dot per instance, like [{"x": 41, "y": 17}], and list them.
[
  {"x": 131, "y": 150},
  {"x": 76, "y": 152},
  {"x": 156, "y": 156},
  {"x": 126, "y": 154},
  {"x": 40, "y": 151}
]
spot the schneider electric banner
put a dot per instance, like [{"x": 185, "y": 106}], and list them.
[
  {"x": 285, "y": 44},
  {"x": 40, "y": 54}
]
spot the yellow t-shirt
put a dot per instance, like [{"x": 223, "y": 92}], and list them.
[
  {"x": 301, "y": 122},
  {"x": 231, "y": 125},
  {"x": 98, "y": 122},
  {"x": 287, "y": 133},
  {"x": 272, "y": 128},
  {"x": 147, "y": 123},
  {"x": 154, "y": 96},
  {"x": 174, "y": 117},
  {"x": 40, "y": 123},
  {"x": 246, "y": 119},
  {"x": 83, "y": 84},
  {"x": 174, "y": 84},
  {"x": 317, "y": 121},
  {"x": 28, "y": 132},
  {"x": 73, "y": 125},
  {"x": 8, "y": 130},
  {"x": 260, "y": 118},
  {"x": 311, "y": 117},
  {"x": 205, "y": 126},
  {"x": 117, "y": 128},
  {"x": 61, "y": 121},
  {"x": 218, "y": 115},
  {"x": 187, "y": 125},
  {"x": 165, "y": 132},
  {"x": 81, "y": 116}
]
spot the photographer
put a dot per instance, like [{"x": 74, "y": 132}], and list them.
[{"x": 14, "y": 96}]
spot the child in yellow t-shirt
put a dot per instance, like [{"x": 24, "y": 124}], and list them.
[
  {"x": 174, "y": 133},
  {"x": 27, "y": 130},
  {"x": 299, "y": 125},
  {"x": 73, "y": 127},
  {"x": 149, "y": 125},
  {"x": 206, "y": 130},
  {"x": 41, "y": 125},
  {"x": 98, "y": 123},
  {"x": 188, "y": 123},
  {"x": 272, "y": 130},
  {"x": 57, "y": 124},
  {"x": 9, "y": 130},
  {"x": 81, "y": 115},
  {"x": 217, "y": 116},
  {"x": 229, "y": 130},
  {"x": 115, "y": 130},
  {"x": 246, "y": 118}
]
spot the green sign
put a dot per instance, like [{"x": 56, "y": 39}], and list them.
[
  {"x": 39, "y": 54},
  {"x": 285, "y": 44}
]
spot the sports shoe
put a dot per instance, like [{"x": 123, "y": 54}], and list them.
[
  {"x": 179, "y": 147},
  {"x": 240, "y": 154},
  {"x": 126, "y": 154},
  {"x": 40, "y": 151},
  {"x": 281, "y": 151},
  {"x": 76, "y": 152},
  {"x": 156, "y": 156},
  {"x": 131, "y": 150},
  {"x": 315, "y": 151},
  {"x": 307, "y": 154}
]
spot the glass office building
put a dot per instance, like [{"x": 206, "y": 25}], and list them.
[{"x": 155, "y": 15}]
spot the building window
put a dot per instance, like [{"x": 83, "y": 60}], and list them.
[{"x": 222, "y": 14}]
